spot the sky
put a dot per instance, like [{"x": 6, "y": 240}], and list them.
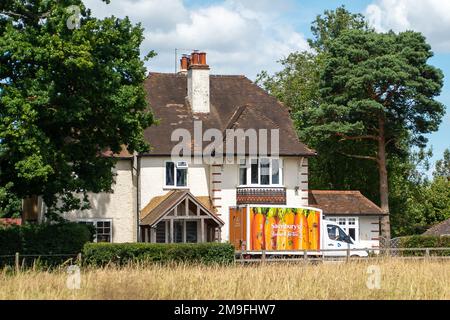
[{"x": 248, "y": 36}]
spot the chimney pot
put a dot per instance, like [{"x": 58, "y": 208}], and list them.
[
  {"x": 184, "y": 63},
  {"x": 195, "y": 59},
  {"x": 202, "y": 57}
]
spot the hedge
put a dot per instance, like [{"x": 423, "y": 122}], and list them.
[
  {"x": 100, "y": 254},
  {"x": 40, "y": 240},
  {"x": 420, "y": 241}
]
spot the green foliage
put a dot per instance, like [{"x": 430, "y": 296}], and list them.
[
  {"x": 10, "y": 204},
  {"x": 298, "y": 86},
  {"x": 331, "y": 24},
  {"x": 420, "y": 241},
  {"x": 338, "y": 95},
  {"x": 437, "y": 202},
  {"x": 10, "y": 239},
  {"x": 100, "y": 254},
  {"x": 66, "y": 96},
  {"x": 370, "y": 76},
  {"x": 66, "y": 239},
  {"x": 443, "y": 166},
  {"x": 418, "y": 203}
]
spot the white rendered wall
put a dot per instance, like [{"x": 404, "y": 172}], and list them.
[
  {"x": 369, "y": 231},
  {"x": 295, "y": 173},
  {"x": 118, "y": 206},
  {"x": 153, "y": 175}
]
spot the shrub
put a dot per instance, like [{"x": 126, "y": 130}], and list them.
[
  {"x": 100, "y": 254},
  {"x": 420, "y": 241},
  {"x": 10, "y": 240},
  {"x": 41, "y": 240}
]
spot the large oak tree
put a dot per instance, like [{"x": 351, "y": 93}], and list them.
[{"x": 71, "y": 87}]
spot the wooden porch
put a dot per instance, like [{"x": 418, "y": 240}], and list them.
[{"x": 179, "y": 217}]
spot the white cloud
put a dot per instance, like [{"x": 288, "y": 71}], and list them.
[
  {"x": 431, "y": 17},
  {"x": 239, "y": 36}
]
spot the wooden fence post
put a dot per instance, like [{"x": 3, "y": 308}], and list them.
[
  {"x": 263, "y": 257},
  {"x": 17, "y": 262}
]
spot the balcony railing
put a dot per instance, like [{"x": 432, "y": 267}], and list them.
[{"x": 259, "y": 195}]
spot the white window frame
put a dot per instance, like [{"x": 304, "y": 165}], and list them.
[
  {"x": 347, "y": 225},
  {"x": 185, "y": 166},
  {"x": 94, "y": 221},
  {"x": 249, "y": 173}
]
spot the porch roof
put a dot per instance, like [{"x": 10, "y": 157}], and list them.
[{"x": 160, "y": 206}]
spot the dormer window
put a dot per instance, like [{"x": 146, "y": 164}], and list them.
[
  {"x": 176, "y": 174},
  {"x": 260, "y": 172}
]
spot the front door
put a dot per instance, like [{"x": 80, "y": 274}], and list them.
[{"x": 238, "y": 227}]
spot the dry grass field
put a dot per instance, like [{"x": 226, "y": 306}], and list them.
[{"x": 399, "y": 280}]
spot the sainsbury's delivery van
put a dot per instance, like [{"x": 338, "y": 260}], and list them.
[{"x": 287, "y": 230}]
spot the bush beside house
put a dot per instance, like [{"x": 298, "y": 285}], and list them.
[
  {"x": 34, "y": 240},
  {"x": 100, "y": 254}
]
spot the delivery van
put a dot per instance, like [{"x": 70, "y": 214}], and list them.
[{"x": 282, "y": 230}]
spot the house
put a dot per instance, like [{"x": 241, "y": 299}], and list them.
[
  {"x": 439, "y": 229},
  {"x": 356, "y": 215},
  {"x": 158, "y": 197}
]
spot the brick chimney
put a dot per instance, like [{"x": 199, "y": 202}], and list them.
[{"x": 198, "y": 82}]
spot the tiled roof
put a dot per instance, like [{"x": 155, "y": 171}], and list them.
[
  {"x": 335, "y": 202},
  {"x": 236, "y": 102},
  {"x": 439, "y": 229},
  {"x": 160, "y": 206}
]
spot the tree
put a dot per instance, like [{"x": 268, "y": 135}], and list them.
[
  {"x": 328, "y": 93},
  {"x": 443, "y": 166},
  {"x": 378, "y": 88},
  {"x": 10, "y": 205},
  {"x": 437, "y": 202},
  {"x": 69, "y": 90},
  {"x": 298, "y": 86},
  {"x": 437, "y": 205},
  {"x": 331, "y": 24}
]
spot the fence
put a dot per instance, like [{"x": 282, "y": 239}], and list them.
[
  {"x": 341, "y": 254},
  {"x": 21, "y": 261}
]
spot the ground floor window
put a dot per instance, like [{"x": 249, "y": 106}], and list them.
[
  {"x": 191, "y": 231},
  {"x": 103, "y": 229},
  {"x": 349, "y": 224},
  {"x": 183, "y": 231},
  {"x": 161, "y": 232}
]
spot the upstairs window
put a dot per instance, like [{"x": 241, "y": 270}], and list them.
[
  {"x": 260, "y": 172},
  {"x": 242, "y": 172},
  {"x": 176, "y": 174}
]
